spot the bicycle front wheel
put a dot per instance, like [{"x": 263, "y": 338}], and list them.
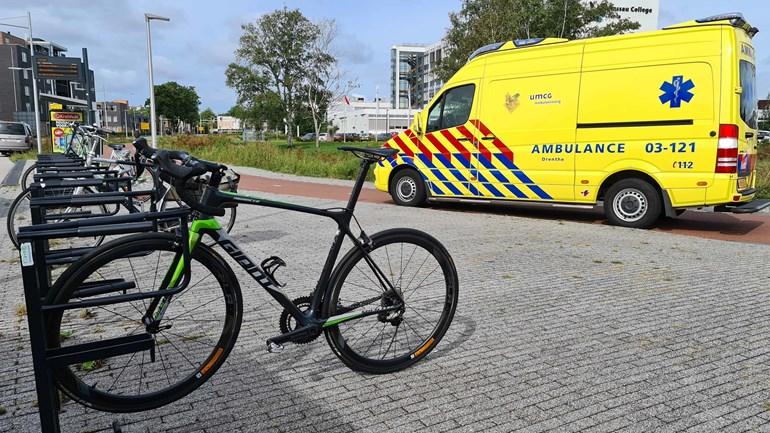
[
  {"x": 191, "y": 341},
  {"x": 417, "y": 310}
]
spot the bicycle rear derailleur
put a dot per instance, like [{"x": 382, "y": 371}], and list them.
[{"x": 287, "y": 323}]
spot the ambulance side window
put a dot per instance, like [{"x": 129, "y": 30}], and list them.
[
  {"x": 453, "y": 109},
  {"x": 434, "y": 116}
]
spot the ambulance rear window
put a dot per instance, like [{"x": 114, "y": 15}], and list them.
[{"x": 748, "y": 93}]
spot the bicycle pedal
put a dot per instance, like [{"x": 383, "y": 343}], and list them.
[
  {"x": 273, "y": 347},
  {"x": 270, "y": 266}
]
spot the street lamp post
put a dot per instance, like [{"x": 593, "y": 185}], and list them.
[
  {"x": 34, "y": 85},
  {"x": 153, "y": 126}
]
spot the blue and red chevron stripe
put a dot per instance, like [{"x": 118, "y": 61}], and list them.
[{"x": 411, "y": 147}]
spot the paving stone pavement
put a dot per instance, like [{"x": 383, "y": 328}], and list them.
[{"x": 560, "y": 327}]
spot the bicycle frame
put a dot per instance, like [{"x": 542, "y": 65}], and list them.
[{"x": 207, "y": 225}]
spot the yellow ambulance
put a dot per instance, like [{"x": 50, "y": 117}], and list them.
[{"x": 647, "y": 124}]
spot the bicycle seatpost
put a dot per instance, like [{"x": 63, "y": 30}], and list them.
[{"x": 362, "y": 172}]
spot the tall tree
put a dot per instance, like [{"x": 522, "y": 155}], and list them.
[
  {"x": 272, "y": 57},
  {"x": 176, "y": 102},
  {"x": 482, "y": 22},
  {"x": 323, "y": 81}
]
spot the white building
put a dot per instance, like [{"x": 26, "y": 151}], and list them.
[
  {"x": 413, "y": 73},
  {"x": 228, "y": 124},
  {"x": 369, "y": 117}
]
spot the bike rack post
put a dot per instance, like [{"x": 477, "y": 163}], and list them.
[
  {"x": 35, "y": 277},
  {"x": 36, "y": 261}
]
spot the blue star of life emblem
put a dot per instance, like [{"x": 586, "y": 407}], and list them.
[{"x": 676, "y": 91}]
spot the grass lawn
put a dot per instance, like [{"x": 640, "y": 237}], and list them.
[{"x": 302, "y": 159}]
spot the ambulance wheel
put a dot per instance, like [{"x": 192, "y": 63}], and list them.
[
  {"x": 407, "y": 188},
  {"x": 632, "y": 203}
]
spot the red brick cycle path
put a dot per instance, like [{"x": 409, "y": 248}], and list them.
[{"x": 753, "y": 228}]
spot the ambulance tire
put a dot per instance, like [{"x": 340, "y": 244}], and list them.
[
  {"x": 633, "y": 203},
  {"x": 407, "y": 188}
]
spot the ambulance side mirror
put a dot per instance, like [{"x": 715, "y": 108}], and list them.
[{"x": 417, "y": 123}]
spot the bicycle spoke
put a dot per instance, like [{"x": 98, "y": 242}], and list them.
[
  {"x": 391, "y": 342},
  {"x": 121, "y": 371}
]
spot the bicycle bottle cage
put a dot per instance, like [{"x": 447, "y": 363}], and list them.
[{"x": 270, "y": 265}]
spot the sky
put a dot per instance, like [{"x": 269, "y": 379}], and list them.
[{"x": 196, "y": 46}]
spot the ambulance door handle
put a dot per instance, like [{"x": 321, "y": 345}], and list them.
[
  {"x": 749, "y": 134},
  {"x": 463, "y": 139},
  {"x": 491, "y": 137}
]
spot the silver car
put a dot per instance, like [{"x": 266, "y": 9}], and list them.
[{"x": 15, "y": 137}]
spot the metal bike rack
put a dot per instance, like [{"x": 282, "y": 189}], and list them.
[{"x": 36, "y": 262}]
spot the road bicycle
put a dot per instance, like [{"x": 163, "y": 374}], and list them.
[
  {"x": 166, "y": 198},
  {"x": 382, "y": 307}
]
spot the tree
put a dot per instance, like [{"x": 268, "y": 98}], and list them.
[
  {"x": 176, "y": 102},
  {"x": 259, "y": 109},
  {"x": 209, "y": 117},
  {"x": 482, "y": 22},
  {"x": 323, "y": 81},
  {"x": 272, "y": 57}
]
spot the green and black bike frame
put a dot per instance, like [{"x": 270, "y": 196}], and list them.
[{"x": 312, "y": 320}]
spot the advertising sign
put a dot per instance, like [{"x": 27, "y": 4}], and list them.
[
  {"x": 61, "y": 128},
  {"x": 58, "y": 68},
  {"x": 144, "y": 126}
]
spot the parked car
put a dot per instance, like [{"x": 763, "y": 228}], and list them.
[
  {"x": 307, "y": 137},
  {"x": 323, "y": 137},
  {"x": 763, "y": 135},
  {"x": 348, "y": 137},
  {"x": 365, "y": 136},
  {"x": 15, "y": 137},
  {"x": 383, "y": 136}
]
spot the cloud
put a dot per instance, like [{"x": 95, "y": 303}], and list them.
[{"x": 350, "y": 50}]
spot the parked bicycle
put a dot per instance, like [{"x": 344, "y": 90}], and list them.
[
  {"x": 382, "y": 307},
  {"x": 165, "y": 198}
]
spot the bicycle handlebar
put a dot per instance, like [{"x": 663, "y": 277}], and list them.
[{"x": 179, "y": 174}]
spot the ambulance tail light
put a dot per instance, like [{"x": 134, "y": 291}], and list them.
[{"x": 727, "y": 149}]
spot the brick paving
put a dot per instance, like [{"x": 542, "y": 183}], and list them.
[{"x": 561, "y": 326}]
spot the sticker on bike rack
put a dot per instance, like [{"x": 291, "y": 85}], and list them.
[{"x": 25, "y": 251}]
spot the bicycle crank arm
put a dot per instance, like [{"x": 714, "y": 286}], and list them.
[{"x": 275, "y": 344}]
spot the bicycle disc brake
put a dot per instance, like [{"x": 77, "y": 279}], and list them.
[{"x": 287, "y": 323}]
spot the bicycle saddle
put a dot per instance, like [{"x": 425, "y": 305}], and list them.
[{"x": 371, "y": 154}]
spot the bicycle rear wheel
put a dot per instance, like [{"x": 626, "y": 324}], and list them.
[
  {"x": 192, "y": 341},
  {"x": 28, "y": 177},
  {"x": 19, "y": 214},
  {"x": 422, "y": 272}
]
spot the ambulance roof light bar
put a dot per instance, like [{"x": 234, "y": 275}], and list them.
[
  {"x": 485, "y": 49},
  {"x": 736, "y": 20},
  {"x": 527, "y": 42}
]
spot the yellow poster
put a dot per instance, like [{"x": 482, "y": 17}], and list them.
[
  {"x": 144, "y": 126},
  {"x": 61, "y": 128}
]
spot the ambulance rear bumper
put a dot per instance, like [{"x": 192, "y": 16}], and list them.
[{"x": 747, "y": 207}]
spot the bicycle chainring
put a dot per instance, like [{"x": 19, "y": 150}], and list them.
[{"x": 286, "y": 323}]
